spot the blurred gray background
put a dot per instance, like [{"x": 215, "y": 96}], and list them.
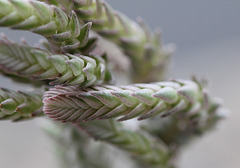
[{"x": 207, "y": 36}]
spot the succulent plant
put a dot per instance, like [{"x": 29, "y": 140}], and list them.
[
  {"x": 39, "y": 64},
  {"x": 17, "y": 105},
  {"x": 137, "y": 100},
  {"x": 74, "y": 83}
]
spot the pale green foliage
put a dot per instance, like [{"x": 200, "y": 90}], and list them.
[
  {"x": 17, "y": 105},
  {"x": 135, "y": 39},
  {"x": 40, "y": 64},
  {"x": 144, "y": 100},
  {"x": 49, "y": 21},
  {"x": 71, "y": 57},
  {"x": 143, "y": 147},
  {"x": 74, "y": 149},
  {"x": 180, "y": 128}
]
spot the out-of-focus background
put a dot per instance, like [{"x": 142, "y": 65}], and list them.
[{"x": 207, "y": 36}]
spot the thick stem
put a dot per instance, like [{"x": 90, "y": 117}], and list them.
[
  {"x": 143, "y": 147},
  {"x": 19, "y": 105},
  {"x": 149, "y": 58},
  {"x": 40, "y": 64},
  {"x": 63, "y": 31}
]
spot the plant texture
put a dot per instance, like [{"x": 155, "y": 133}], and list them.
[
  {"x": 129, "y": 101},
  {"x": 17, "y": 105},
  {"x": 40, "y": 64},
  {"x": 73, "y": 81},
  {"x": 136, "y": 40},
  {"x": 146, "y": 149},
  {"x": 62, "y": 30},
  {"x": 74, "y": 149}
]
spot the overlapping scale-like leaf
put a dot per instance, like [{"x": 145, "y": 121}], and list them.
[
  {"x": 145, "y": 148},
  {"x": 149, "y": 57},
  {"x": 18, "y": 105},
  {"x": 181, "y": 128},
  {"x": 74, "y": 148},
  {"x": 49, "y": 21},
  {"x": 73, "y": 104},
  {"x": 62, "y": 69}
]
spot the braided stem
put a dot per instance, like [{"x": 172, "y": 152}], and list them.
[
  {"x": 145, "y": 49},
  {"x": 149, "y": 57},
  {"x": 145, "y": 148},
  {"x": 179, "y": 129},
  {"x": 18, "y": 105},
  {"x": 74, "y": 148},
  {"x": 40, "y": 64},
  {"x": 73, "y": 104},
  {"x": 49, "y": 21}
]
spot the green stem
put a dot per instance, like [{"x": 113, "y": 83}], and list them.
[
  {"x": 128, "y": 101},
  {"x": 144, "y": 148},
  {"x": 74, "y": 149},
  {"x": 178, "y": 130},
  {"x": 49, "y": 21},
  {"x": 149, "y": 58},
  {"x": 18, "y": 105},
  {"x": 39, "y": 64}
]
